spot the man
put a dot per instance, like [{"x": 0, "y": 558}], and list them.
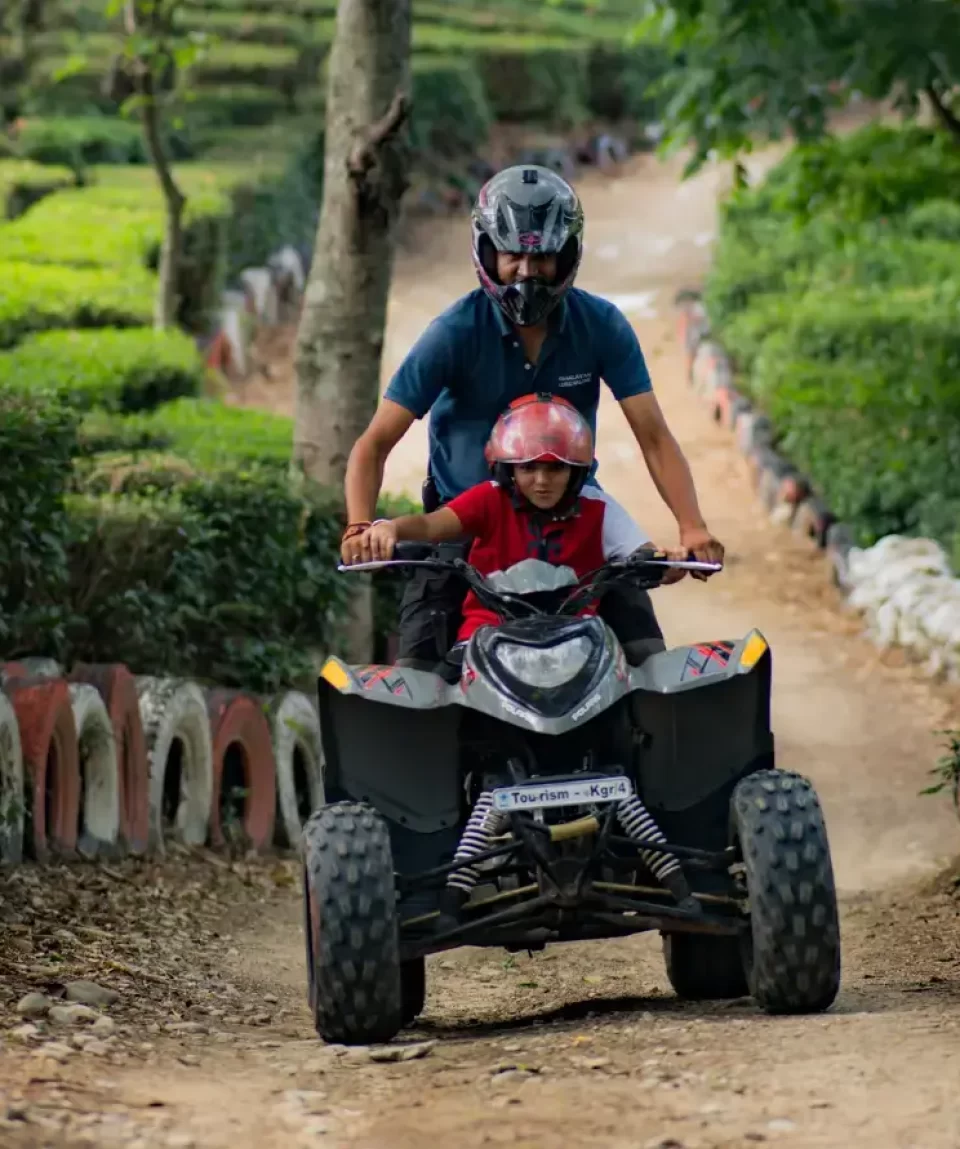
[{"x": 526, "y": 329}]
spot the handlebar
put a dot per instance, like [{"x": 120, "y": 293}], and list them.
[{"x": 649, "y": 569}]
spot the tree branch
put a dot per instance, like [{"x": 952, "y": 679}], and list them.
[
  {"x": 946, "y": 117},
  {"x": 364, "y": 154},
  {"x": 151, "y": 119}
]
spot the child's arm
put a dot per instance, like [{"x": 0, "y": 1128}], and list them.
[{"x": 377, "y": 544}]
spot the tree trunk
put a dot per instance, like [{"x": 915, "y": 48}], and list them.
[
  {"x": 166, "y": 302},
  {"x": 340, "y": 340}
]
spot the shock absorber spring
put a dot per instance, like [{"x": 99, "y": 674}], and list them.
[
  {"x": 639, "y": 825},
  {"x": 482, "y": 827}
]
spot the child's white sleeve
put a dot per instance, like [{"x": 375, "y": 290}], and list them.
[{"x": 621, "y": 535}]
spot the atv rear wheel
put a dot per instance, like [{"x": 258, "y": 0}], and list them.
[
  {"x": 792, "y": 953},
  {"x": 353, "y": 953},
  {"x": 705, "y": 968},
  {"x": 413, "y": 989}
]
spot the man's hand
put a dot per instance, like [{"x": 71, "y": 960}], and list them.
[
  {"x": 375, "y": 544},
  {"x": 703, "y": 546}
]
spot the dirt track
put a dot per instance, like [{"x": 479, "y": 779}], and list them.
[{"x": 585, "y": 1045}]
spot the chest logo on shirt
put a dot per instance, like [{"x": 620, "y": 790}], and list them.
[
  {"x": 544, "y": 545},
  {"x": 577, "y": 380}
]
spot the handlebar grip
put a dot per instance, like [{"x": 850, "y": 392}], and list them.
[{"x": 413, "y": 552}]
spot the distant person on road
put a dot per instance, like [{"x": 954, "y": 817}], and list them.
[{"x": 525, "y": 329}]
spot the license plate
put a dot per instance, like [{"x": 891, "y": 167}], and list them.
[{"x": 547, "y": 795}]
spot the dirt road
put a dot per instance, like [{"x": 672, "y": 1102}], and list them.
[{"x": 585, "y": 1045}]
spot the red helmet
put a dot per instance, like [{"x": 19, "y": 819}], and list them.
[{"x": 541, "y": 428}]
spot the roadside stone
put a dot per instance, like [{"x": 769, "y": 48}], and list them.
[
  {"x": 591, "y": 1062},
  {"x": 89, "y": 993},
  {"x": 34, "y": 1005},
  {"x": 73, "y": 1014},
  {"x": 401, "y": 1052},
  {"x": 103, "y": 1026},
  {"x": 55, "y": 1049},
  {"x": 781, "y": 1125},
  {"x": 186, "y": 1027},
  {"x": 25, "y": 1032},
  {"x": 271, "y": 999}
]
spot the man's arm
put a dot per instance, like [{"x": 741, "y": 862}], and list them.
[
  {"x": 368, "y": 458},
  {"x": 665, "y": 461},
  {"x": 624, "y": 370},
  {"x": 671, "y": 473},
  {"x": 428, "y": 367}
]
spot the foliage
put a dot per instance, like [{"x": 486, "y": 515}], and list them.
[
  {"x": 23, "y": 184},
  {"x": 228, "y": 577},
  {"x": 276, "y": 209},
  {"x": 451, "y": 113},
  {"x": 845, "y": 329},
  {"x": 78, "y": 141},
  {"x": 545, "y": 86},
  {"x": 947, "y": 769},
  {"x": 40, "y": 297},
  {"x": 36, "y": 444},
  {"x": 115, "y": 370},
  {"x": 755, "y": 69}
]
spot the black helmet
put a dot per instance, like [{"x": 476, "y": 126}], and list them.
[{"x": 527, "y": 210}]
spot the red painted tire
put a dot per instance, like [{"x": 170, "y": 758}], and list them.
[
  {"x": 241, "y": 740},
  {"x": 118, "y": 689},
  {"x": 48, "y": 737}
]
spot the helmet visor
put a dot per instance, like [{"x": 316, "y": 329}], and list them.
[{"x": 542, "y": 431}]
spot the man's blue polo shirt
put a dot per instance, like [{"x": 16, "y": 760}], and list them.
[{"x": 468, "y": 366}]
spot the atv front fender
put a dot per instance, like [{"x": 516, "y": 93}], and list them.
[
  {"x": 401, "y": 756},
  {"x": 703, "y": 664},
  {"x": 705, "y": 714}
]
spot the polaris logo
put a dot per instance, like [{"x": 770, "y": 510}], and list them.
[
  {"x": 586, "y": 707},
  {"x": 514, "y": 710}
]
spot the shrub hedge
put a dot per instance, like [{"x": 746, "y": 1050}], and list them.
[
  {"x": 37, "y": 297},
  {"x": 114, "y": 370},
  {"x": 225, "y": 573},
  {"x": 37, "y": 437},
  {"x": 836, "y": 289},
  {"x": 78, "y": 141},
  {"x": 23, "y": 184}
]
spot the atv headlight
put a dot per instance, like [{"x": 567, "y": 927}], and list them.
[{"x": 544, "y": 666}]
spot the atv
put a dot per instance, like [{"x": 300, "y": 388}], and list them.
[{"x": 545, "y": 790}]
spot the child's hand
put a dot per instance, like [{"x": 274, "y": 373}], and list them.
[{"x": 382, "y": 539}]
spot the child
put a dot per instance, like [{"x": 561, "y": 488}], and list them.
[{"x": 540, "y": 452}]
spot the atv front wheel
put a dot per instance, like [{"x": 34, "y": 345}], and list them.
[
  {"x": 353, "y": 953},
  {"x": 705, "y": 968},
  {"x": 792, "y": 953}
]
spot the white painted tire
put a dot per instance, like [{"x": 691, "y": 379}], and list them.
[
  {"x": 295, "y": 729},
  {"x": 172, "y": 711},
  {"x": 97, "y": 750},
  {"x": 11, "y": 786}
]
